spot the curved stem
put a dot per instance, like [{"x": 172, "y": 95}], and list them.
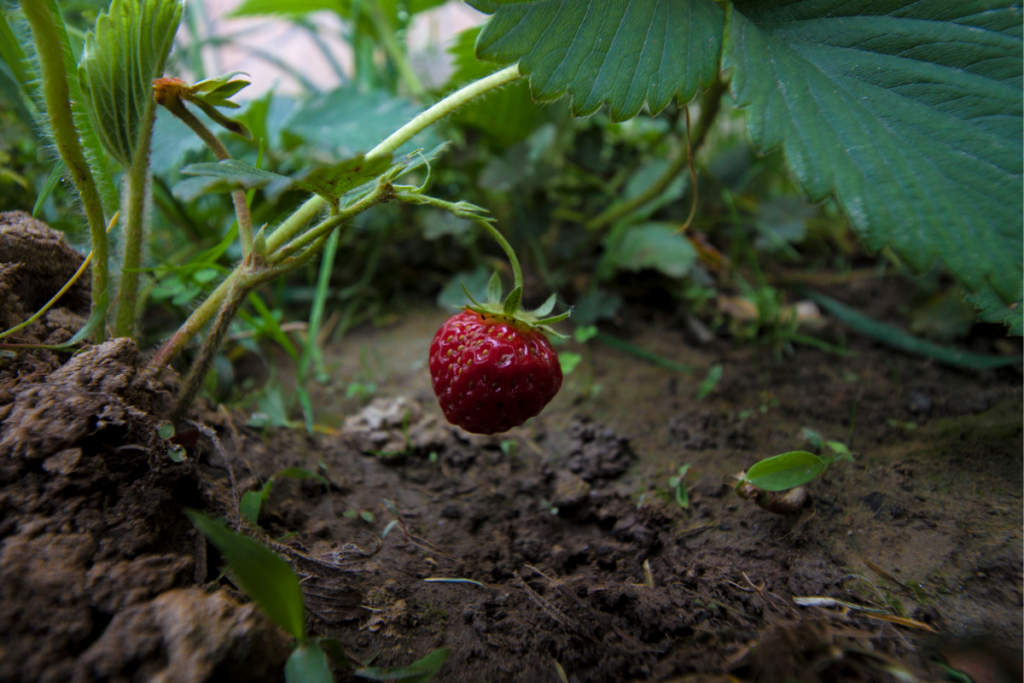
[
  {"x": 57, "y": 96},
  {"x": 517, "y": 272},
  {"x": 178, "y": 108},
  {"x": 709, "y": 110},
  {"x": 443, "y": 108},
  {"x": 190, "y": 387}
]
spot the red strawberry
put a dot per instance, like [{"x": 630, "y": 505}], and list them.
[{"x": 492, "y": 372}]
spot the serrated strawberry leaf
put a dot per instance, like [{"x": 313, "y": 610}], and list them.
[
  {"x": 909, "y": 113},
  {"x": 620, "y": 53},
  {"x": 125, "y": 51}
]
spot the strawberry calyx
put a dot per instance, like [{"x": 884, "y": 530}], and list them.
[{"x": 509, "y": 310}]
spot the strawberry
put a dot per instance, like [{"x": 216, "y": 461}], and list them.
[{"x": 491, "y": 365}]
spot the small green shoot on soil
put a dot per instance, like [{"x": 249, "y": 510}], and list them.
[{"x": 252, "y": 502}]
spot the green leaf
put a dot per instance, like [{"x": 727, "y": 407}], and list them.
[
  {"x": 993, "y": 310},
  {"x": 785, "y": 471},
  {"x": 898, "y": 339},
  {"x": 420, "y": 671},
  {"x": 568, "y": 361},
  {"x": 264, "y": 576},
  {"x": 223, "y": 176},
  {"x": 123, "y": 54},
  {"x": 336, "y": 651},
  {"x": 308, "y": 664},
  {"x": 346, "y": 120},
  {"x": 463, "y": 289},
  {"x": 909, "y": 113},
  {"x": 812, "y": 437},
  {"x": 299, "y": 473},
  {"x": 333, "y": 182},
  {"x": 494, "y": 289},
  {"x": 622, "y": 53},
  {"x": 512, "y": 301},
  {"x": 710, "y": 382},
  {"x": 658, "y": 246},
  {"x": 251, "y": 504}
]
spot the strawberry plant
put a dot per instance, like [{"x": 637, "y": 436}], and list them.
[{"x": 907, "y": 113}]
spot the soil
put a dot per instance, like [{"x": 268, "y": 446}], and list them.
[{"x": 569, "y": 552}]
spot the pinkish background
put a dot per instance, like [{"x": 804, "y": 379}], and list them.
[{"x": 429, "y": 35}]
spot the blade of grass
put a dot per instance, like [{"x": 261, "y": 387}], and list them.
[
  {"x": 898, "y": 339},
  {"x": 273, "y": 328},
  {"x": 644, "y": 354}
]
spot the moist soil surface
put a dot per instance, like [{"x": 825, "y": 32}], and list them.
[{"x": 565, "y": 554}]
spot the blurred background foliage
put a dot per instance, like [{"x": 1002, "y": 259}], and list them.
[{"x": 544, "y": 175}]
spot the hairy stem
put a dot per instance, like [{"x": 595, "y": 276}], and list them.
[
  {"x": 190, "y": 387},
  {"x": 710, "y": 105},
  {"x": 178, "y": 108},
  {"x": 57, "y": 95},
  {"x": 517, "y": 272},
  {"x": 138, "y": 192}
]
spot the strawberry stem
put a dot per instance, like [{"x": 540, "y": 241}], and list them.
[{"x": 517, "y": 272}]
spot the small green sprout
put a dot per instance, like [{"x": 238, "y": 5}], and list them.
[{"x": 676, "y": 484}]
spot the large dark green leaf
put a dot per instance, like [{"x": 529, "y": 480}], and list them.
[
  {"x": 123, "y": 54},
  {"x": 264, "y": 576},
  {"x": 597, "y": 51},
  {"x": 908, "y": 112}
]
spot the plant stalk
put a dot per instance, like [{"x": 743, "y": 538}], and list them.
[
  {"x": 710, "y": 105},
  {"x": 190, "y": 387},
  {"x": 138, "y": 191},
  {"x": 57, "y": 95},
  {"x": 178, "y": 108}
]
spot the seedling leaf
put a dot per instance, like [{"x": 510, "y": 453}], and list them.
[
  {"x": 307, "y": 664},
  {"x": 265, "y": 577},
  {"x": 251, "y": 504},
  {"x": 710, "y": 382},
  {"x": 785, "y": 471},
  {"x": 420, "y": 671},
  {"x": 622, "y": 53}
]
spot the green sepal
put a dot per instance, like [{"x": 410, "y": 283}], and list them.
[
  {"x": 476, "y": 304},
  {"x": 554, "y": 319},
  {"x": 494, "y": 289},
  {"x": 231, "y": 124},
  {"x": 515, "y": 297},
  {"x": 546, "y": 307}
]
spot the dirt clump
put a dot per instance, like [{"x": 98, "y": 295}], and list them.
[{"x": 186, "y": 636}]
